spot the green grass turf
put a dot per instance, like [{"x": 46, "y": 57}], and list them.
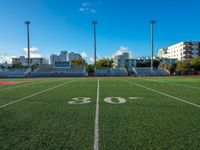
[{"x": 48, "y": 121}]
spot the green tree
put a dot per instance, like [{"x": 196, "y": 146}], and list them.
[
  {"x": 195, "y": 63},
  {"x": 104, "y": 63},
  {"x": 17, "y": 65},
  {"x": 171, "y": 67},
  {"x": 79, "y": 62},
  {"x": 126, "y": 66},
  {"x": 34, "y": 66},
  {"x": 90, "y": 69},
  {"x": 183, "y": 67}
]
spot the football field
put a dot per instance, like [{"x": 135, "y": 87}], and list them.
[{"x": 100, "y": 113}]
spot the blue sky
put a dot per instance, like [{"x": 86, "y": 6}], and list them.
[{"x": 122, "y": 24}]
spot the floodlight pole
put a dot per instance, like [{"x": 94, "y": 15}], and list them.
[
  {"x": 28, "y": 42},
  {"x": 152, "y": 22},
  {"x": 95, "y": 43}
]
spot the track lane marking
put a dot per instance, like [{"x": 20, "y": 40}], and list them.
[
  {"x": 96, "y": 128},
  {"x": 32, "y": 95},
  {"x": 179, "y": 99}
]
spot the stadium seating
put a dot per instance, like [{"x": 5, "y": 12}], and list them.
[
  {"x": 149, "y": 72},
  {"x": 111, "y": 72},
  {"x": 50, "y": 71},
  {"x": 14, "y": 73}
]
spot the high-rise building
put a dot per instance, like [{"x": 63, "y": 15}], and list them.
[
  {"x": 24, "y": 61},
  {"x": 181, "y": 51},
  {"x": 124, "y": 61},
  {"x": 64, "y": 59},
  {"x": 74, "y": 56}
]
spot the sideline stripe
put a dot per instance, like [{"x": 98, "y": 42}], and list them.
[
  {"x": 96, "y": 129},
  {"x": 187, "y": 86},
  {"x": 176, "y": 98},
  {"x": 41, "y": 92}
]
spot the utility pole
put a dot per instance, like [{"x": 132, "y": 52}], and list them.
[
  {"x": 94, "y": 22},
  {"x": 28, "y": 42},
  {"x": 152, "y": 22}
]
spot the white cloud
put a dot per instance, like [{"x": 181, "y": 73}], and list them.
[
  {"x": 122, "y": 50},
  {"x": 84, "y": 54},
  {"x": 84, "y": 10},
  {"x": 86, "y": 4},
  {"x": 107, "y": 57},
  {"x": 87, "y": 7},
  {"x": 33, "y": 52},
  {"x": 6, "y": 58},
  {"x": 91, "y": 59},
  {"x": 88, "y": 58},
  {"x": 93, "y": 11}
]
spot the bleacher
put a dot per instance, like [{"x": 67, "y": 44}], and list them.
[
  {"x": 111, "y": 72},
  {"x": 14, "y": 73},
  {"x": 162, "y": 72},
  {"x": 149, "y": 72},
  {"x": 119, "y": 72},
  {"x": 50, "y": 71},
  {"x": 102, "y": 72}
]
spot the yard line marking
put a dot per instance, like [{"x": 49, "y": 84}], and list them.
[
  {"x": 41, "y": 92},
  {"x": 179, "y": 99},
  {"x": 96, "y": 128},
  {"x": 187, "y": 86}
]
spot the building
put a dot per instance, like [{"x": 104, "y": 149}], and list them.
[
  {"x": 24, "y": 61},
  {"x": 121, "y": 61},
  {"x": 168, "y": 60},
  {"x": 143, "y": 60},
  {"x": 74, "y": 56},
  {"x": 163, "y": 53},
  {"x": 181, "y": 51},
  {"x": 64, "y": 59}
]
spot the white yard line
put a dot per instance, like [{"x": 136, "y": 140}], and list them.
[
  {"x": 96, "y": 128},
  {"x": 32, "y": 95},
  {"x": 176, "y": 98},
  {"x": 187, "y": 86}
]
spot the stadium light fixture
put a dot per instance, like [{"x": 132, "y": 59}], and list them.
[
  {"x": 152, "y": 22},
  {"x": 28, "y": 41},
  {"x": 94, "y": 22}
]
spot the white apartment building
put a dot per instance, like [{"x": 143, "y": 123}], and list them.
[
  {"x": 181, "y": 51},
  {"x": 24, "y": 61},
  {"x": 123, "y": 61},
  {"x": 162, "y": 53}
]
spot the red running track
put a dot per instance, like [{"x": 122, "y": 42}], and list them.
[{"x": 6, "y": 83}]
